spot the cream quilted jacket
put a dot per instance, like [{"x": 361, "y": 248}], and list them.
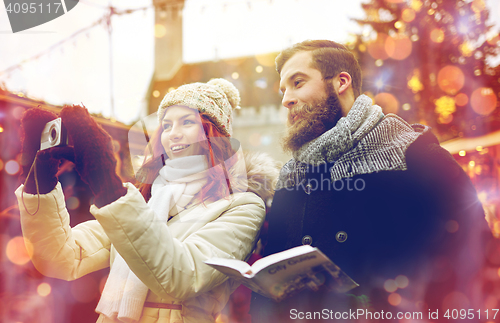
[{"x": 167, "y": 257}]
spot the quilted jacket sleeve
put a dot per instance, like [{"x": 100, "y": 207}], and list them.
[
  {"x": 172, "y": 266},
  {"x": 57, "y": 249}
]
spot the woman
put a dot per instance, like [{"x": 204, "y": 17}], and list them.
[{"x": 193, "y": 205}]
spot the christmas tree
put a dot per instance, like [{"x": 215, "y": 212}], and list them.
[{"x": 433, "y": 62}]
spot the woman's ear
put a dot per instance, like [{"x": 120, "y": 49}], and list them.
[{"x": 344, "y": 82}]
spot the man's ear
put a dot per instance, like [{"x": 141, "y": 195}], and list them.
[{"x": 344, "y": 80}]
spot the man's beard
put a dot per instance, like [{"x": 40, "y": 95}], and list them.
[{"x": 313, "y": 121}]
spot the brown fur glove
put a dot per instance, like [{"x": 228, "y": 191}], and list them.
[
  {"x": 47, "y": 163},
  {"x": 94, "y": 157}
]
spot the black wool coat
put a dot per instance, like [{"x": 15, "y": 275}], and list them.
[{"x": 424, "y": 224}]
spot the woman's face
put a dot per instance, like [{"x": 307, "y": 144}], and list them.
[{"x": 182, "y": 132}]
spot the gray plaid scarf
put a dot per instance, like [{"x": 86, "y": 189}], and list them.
[{"x": 362, "y": 142}]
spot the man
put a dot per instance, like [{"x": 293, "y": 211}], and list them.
[{"x": 378, "y": 196}]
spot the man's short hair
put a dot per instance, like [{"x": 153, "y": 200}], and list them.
[{"x": 329, "y": 57}]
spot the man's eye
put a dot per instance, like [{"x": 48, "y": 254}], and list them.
[{"x": 297, "y": 82}]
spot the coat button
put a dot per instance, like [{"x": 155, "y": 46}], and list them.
[
  {"x": 307, "y": 189},
  {"x": 307, "y": 240},
  {"x": 341, "y": 236}
]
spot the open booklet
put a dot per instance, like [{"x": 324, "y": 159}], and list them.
[{"x": 282, "y": 274}]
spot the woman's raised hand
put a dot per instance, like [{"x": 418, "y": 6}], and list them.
[{"x": 94, "y": 157}]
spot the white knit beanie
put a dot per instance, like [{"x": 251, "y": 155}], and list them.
[{"x": 216, "y": 99}]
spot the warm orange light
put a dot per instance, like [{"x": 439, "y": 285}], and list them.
[
  {"x": 483, "y": 101},
  {"x": 398, "y": 47},
  {"x": 437, "y": 35},
  {"x": 388, "y": 102},
  {"x": 466, "y": 49},
  {"x": 18, "y": 250},
  {"x": 394, "y": 299},
  {"x": 43, "y": 289},
  {"x": 461, "y": 99},
  {"x": 414, "y": 83},
  {"x": 451, "y": 79},
  {"x": 478, "y": 6},
  {"x": 408, "y": 15},
  {"x": 377, "y": 48},
  {"x": 416, "y": 5},
  {"x": 390, "y": 285},
  {"x": 445, "y": 118},
  {"x": 445, "y": 105}
]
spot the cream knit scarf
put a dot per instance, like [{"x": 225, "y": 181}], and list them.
[{"x": 178, "y": 182}]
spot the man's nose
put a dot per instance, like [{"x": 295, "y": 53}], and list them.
[{"x": 288, "y": 101}]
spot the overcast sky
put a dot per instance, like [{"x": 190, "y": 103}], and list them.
[{"x": 79, "y": 70}]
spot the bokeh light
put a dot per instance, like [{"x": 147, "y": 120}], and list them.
[
  {"x": 398, "y": 47},
  {"x": 483, "y": 101},
  {"x": 402, "y": 281},
  {"x": 437, "y": 35},
  {"x": 18, "y": 250},
  {"x": 12, "y": 167},
  {"x": 414, "y": 83},
  {"x": 17, "y": 112},
  {"x": 461, "y": 99},
  {"x": 44, "y": 289},
  {"x": 235, "y": 75},
  {"x": 377, "y": 48},
  {"x": 451, "y": 79},
  {"x": 466, "y": 48},
  {"x": 160, "y": 30},
  {"x": 408, "y": 15},
  {"x": 445, "y": 105},
  {"x": 394, "y": 299},
  {"x": 72, "y": 203},
  {"x": 259, "y": 69},
  {"x": 390, "y": 285},
  {"x": 478, "y": 5},
  {"x": 388, "y": 102},
  {"x": 445, "y": 118}
]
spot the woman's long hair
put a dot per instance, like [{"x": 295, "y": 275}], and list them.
[{"x": 216, "y": 148}]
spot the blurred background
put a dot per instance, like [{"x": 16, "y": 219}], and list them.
[{"x": 435, "y": 62}]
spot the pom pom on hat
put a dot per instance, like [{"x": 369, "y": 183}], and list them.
[
  {"x": 216, "y": 99},
  {"x": 232, "y": 93}
]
